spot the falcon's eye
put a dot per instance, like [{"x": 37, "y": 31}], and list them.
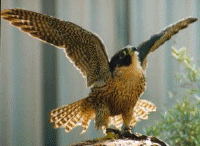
[{"x": 122, "y": 54}]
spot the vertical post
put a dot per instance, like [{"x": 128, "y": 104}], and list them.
[
  {"x": 49, "y": 80},
  {"x": 122, "y": 23}
]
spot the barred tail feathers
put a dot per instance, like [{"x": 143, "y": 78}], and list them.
[
  {"x": 72, "y": 115},
  {"x": 117, "y": 121},
  {"x": 141, "y": 111}
]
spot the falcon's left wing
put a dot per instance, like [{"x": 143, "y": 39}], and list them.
[{"x": 157, "y": 40}]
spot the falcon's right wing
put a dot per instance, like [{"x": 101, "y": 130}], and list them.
[{"x": 85, "y": 49}]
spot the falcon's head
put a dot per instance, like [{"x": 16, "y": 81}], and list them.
[{"x": 127, "y": 58}]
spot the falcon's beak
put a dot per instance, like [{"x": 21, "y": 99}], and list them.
[{"x": 131, "y": 49}]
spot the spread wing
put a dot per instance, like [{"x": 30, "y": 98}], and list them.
[
  {"x": 85, "y": 49},
  {"x": 157, "y": 40}
]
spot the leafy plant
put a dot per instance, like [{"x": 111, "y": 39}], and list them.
[{"x": 180, "y": 125}]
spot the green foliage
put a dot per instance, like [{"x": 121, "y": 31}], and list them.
[
  {"x": 180, "y": 125},
  {"x": 192, "y": 73}
]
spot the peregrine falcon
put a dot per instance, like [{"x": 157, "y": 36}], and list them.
[{"x": 116, "y": 85}]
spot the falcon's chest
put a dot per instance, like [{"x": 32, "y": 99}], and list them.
[
  {"x": 123, "y": 90},
  {"x": 126, "y": 89},
  {"x": 129, "y": 80},
  {"x": 129, "y": 89}
]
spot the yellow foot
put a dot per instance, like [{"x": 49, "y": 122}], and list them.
[{"x": 110, "y": 135}]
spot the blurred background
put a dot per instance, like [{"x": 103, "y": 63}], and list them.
[{"x": 36, "y": 77}]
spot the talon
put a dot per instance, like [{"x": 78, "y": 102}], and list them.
[
  {"x": 128, "y": 133},
  {"x": 112, "y": 134},
  {"x": 127, "y": 129}
]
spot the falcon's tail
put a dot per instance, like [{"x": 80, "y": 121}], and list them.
[
  {"x": 72, "y": 115},
  {"x": 140, "y": 111}
]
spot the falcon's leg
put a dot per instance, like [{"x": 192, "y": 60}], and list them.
[
  {"x": 102, "y": 121},
  {"x": 127, "y": 117},
  {"x": 102, "y": 117}
]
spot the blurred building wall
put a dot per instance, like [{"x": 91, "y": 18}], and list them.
[{"x": 35, "y": 77}]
